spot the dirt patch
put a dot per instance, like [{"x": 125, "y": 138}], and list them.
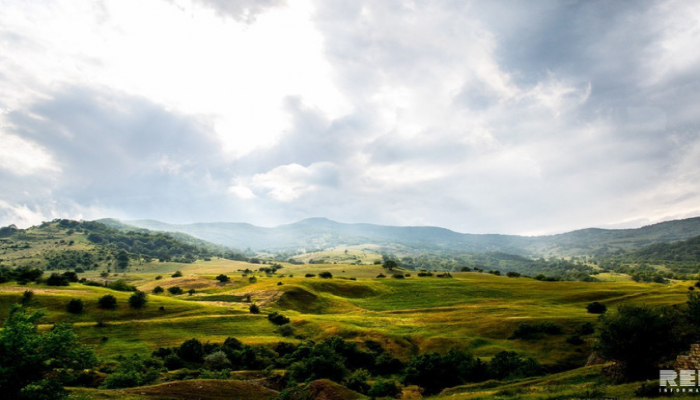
[
  {"x": 206, "y": 389},
  {"x": 15, "y": 289}
]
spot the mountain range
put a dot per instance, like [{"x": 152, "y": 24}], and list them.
[{"x": 321, "y": 233}]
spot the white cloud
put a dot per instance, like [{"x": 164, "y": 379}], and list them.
[
  {"x": 23, "y": 157},
  {"x": 289, "y": 182}
]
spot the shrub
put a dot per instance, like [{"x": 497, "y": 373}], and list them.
[
  {"x": 510, "y": 365},
  {"x": 384, "y": 388},
  {"x": 217, "y": 361},
  {"x": 57, "y": 280},
  {"x": 223, "y": 278},
  {"x": 177, "y": 274},
  {"x": 585, "y": 329},
  {"x": 75, "y": 306},
  {"x": 596, "y": 308},
  {"x": 309, "y": 275},
  {"x": 107, "y": 302},
  {"x": 397, "y": 276},
  {"x": 252, "y": 279},
  {"x": 277, "y": 318},
  {"x": 512, "y": 274},
  {"x": 325, "y": 275},
  {"x": 158, "y": 290},
  {"x": 191, "y": 292},
  {"x": 357, "y": 381},
  {"x": 381, "y": 276},
  {"x": 175, "y": 290},
  {"x": 173, "y": 362},
  {"x": 286, "y": 330},
  {"x": 535, "y": 331},
  {"x": 133, "y": 371},
  {"x": 138, "y": 300},
  {"x": 159, "y": 277},
  {"x": 121, "y": 286},
  {"x": 254, "y": 309},
  {"x": 27, "y": 297}
]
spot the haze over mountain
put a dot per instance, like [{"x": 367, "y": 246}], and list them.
[{"x": 316, "y": 233}]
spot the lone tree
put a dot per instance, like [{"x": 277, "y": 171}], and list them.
[
  {"x": 30, "y": 360},
  {"x": 107, "y": 302},
  {"x": 254, "y": 309},
  {"x": 596, "y": 308},
  {"x": 138, "y": 300},
  {"x": 75, "y": 306},
  {"x": 223, "y": 278},
  {"x": 390, "y": 265}
]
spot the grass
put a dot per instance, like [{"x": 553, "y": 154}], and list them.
[{"x": 471, "y": 311}]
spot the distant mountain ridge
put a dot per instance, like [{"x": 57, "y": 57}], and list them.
[{"x": 319, "y": 233}]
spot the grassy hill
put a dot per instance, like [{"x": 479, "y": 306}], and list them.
[{"x": 406, "y": 315}]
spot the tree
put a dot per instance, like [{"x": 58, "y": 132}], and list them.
[
  {"x": 390, "y": 265},
  {"x": 223, "y": 278},
  {"x": 596, "y": 308},
  {"x": 254, "y": 309},
  {"x": 158, "y": 290},
  {"x": 175, "y": 290},
  {"x": 638, "y": 338},
  {"x": 27, "y": 297},
  {"x": 138, "y": 300},
  {"x": 107, "y": 302},
  {"x": 29, "y": 359},
  {"x": 57, "y": 280},
  {"x": 122, "y": 260},
  {"x": 191, "y": 350},
  {"x": 325, "y": 275},
  {"x": 191, "y": 292},
  {"x": 177, "y": 274},
  {"x": 277, "y": 318},
  {"x": 75, "y": 306}
]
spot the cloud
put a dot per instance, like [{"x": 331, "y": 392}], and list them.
[
  {"x": 482, "y": 117},
  {"x": 289, "y": 182},
  {"x": 242, "y": 10}
]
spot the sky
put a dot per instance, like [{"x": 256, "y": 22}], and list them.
[{"x": 502, "y": 116}]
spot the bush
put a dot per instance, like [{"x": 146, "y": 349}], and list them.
[
  {"x": 309, "y": 275},
  {"x": 158, "y": 290},
  {"x": 381, "y": 276},
  {"x": 121, "y": 286},
  {"x": 384, "y": 388},
  {"x": 27, "y": 297},
  {"x": 107, "y": 302},
  {"x": 512, "y": 274},
  {"x": 277, "y": 318},
  {"x": 191, "y": 292},
  {"x": 585, "y": 329},
  {"x": 177, "y": 274},
  {"x": 217, "y": 361},
  {"x": 357, "y": 381},
  {"x": 138, "y": 300},
  {"x": 57, "y": 280},
  {"x": 254, "y": 309},
  {"x": 325, "y": 275},
  {"x": 173, "y": 362},
  {"x": 223, "y": 278},
  {"x": 133, "y": 371},
  {"x": 286, "y": 330},
  {"x": 397, "y": 276},
  {"x": 175, "y": 290},
  {"x": 596, "y": 308},
  {"x": 75, "y": 306},
  {"x": 535, "y": 331},
  {"x": 509, "y": 365}
]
